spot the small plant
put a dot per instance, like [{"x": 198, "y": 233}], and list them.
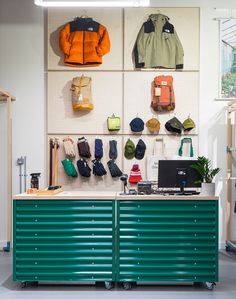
[{"x": 205, "y": 170}]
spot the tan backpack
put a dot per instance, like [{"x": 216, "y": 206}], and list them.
[{"x": 81, "y": 93}]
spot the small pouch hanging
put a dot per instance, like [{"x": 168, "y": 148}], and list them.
[
  {"x": 83, "y": 147},
  {"x": 69, "y": 148},
  {"x": 81, "y": 93},
  {"x": 113, "y": 123},
  {"x": 183, "y": 141},
  {"x": 83, "y": 168},
  {"x": 69, "y": 168}
]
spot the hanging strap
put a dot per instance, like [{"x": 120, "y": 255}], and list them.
[
  {"x": 186, "y": 140},
  {"x": 154, "y": 150}
]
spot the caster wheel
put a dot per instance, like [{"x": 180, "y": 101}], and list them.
[
  {"x": 34, "y": 283},
  {"x": 24, "y": 284},
  {"x": 127, "y": 286},
  {"x": 209, "y": 285},
  {"x": 109, "y": 285}
]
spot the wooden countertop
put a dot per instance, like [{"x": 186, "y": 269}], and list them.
[{"x": 109, "y": 195}]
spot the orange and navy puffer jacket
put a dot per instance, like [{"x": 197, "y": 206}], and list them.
[{"x": 84, "y": 42}]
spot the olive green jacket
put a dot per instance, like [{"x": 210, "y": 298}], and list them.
[{"x": 158, "y": 45}]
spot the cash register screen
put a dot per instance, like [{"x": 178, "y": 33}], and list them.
[{"x": 177, "y": 173}]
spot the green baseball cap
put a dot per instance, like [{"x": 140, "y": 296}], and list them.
[
  {"x": 129, "y": 149},
  {"x": 189, "y": 124}
]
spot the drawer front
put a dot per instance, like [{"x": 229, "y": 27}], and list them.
[
  {"x": 64, "y": 240},
  {"x": 167, "y": 240}
]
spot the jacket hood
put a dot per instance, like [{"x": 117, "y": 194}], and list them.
[{"x": 158, "y": 17}]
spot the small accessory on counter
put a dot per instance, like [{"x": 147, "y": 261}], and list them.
[
  {"x": 163, "y": 97},
  {"x": 98, "y": 168},
  {"x": 114, "y": 169},
  {"x": 54, "y": 187},
  {"x": 129, "y": 149},
  {"x": 140, "y": 150},
  {"x": 83, "y": 147},
  {"x": 113, "y": 149},
  {"x": 83, "y": 168},
  {"x": 68, "y": 144},
  {"x": 34, "y": 182},
  {"x": 69, "y": 168},
  {"x": 98, "y": 148},
  {"x": 135, "y": 174},
  {"x": 113, "y": 123},
  {"x": 137, "y": 125},
  {"x": 174, "y": 125},
  {"x": 183, "y": 141},
  {"x": 144, "y": 187},
  {"x": 31, "y": 191},
  {"x": 189, "y": 124},
  {"x": 153, "y": 125},
  {"x": 81, "y": 93}
]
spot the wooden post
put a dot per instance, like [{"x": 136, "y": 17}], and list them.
[
  {"x": 6, "y": 97},
  {"x": 9, "y": 170},
  {"x": 228, "y": 175}
]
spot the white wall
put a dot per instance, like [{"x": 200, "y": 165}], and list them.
[{"x": 21, "y": 72}]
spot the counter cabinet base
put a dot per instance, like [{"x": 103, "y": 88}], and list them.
[{"x": 110, "y": 241}]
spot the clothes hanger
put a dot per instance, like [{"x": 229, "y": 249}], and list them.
[{"x": 84, "y": 15}]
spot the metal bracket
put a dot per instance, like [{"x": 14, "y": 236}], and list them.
[{"x": 8, "y": 247}]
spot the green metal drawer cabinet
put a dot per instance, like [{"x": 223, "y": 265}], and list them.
[
  {"x": 167, "y": 240},
  {"x": 64, "y": 240}
]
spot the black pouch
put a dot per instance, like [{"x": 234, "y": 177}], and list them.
[
  {"x": 98, "y": 168},
  {"x": 114, "y": 169},
  {"x": 83, "y": 168}
]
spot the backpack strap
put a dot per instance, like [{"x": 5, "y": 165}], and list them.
[{"x": 186, "y": 140}]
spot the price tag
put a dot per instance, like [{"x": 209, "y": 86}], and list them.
[{"x": 157, "y": 91}]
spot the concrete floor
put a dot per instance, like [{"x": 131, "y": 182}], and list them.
[{"x": 225, "y": 289}]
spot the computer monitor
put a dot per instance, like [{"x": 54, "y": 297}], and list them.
[{"x": 177, "y": 174}]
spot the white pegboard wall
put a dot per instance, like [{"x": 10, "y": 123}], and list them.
[{"x": 118, "y": 88}]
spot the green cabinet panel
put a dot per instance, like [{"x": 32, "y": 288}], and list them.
[
  {"x": 167, "y": 240},
  {"x": 64, "y": 240}
]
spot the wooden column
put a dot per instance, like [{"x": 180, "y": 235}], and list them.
[{"x": 8, "y": 98}]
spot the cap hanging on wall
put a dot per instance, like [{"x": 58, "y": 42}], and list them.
[{"x": 137, "y": 125}]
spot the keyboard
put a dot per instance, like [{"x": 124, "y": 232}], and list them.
[{"x": 176, "y": 192}]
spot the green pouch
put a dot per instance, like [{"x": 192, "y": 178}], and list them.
[
  {"x": 113, "y": 123},
  {"x": 69, "y": 168}
]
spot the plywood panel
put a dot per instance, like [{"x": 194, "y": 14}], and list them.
[
  {"x": 137, "y": 100},
  {"x": 172, "y": 144},
  {"x": 92, "y": 183},
  {"x": 110, "y": 18},
  {"x": 107, "y": 99},
  {"x": 185, "y": 21}
]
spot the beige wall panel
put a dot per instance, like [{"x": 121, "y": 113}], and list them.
[
  {"x": 110, "y": 18},
  {"x": 107, "y": 99},
  {"x": 92, "y": 183},
  {"x": 138, "y": 98},
  {"x": 185, "y": 21},
  {"x": 171, "y": 143}
]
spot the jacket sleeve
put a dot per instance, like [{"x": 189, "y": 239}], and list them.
[
  {"x": 104, "y": 41},
  {"x": 141, "y": 45},
  {"x": 179, "y": 54},
  {"x": 65, "y": 45}
]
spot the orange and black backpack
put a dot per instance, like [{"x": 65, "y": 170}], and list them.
[{"x": 163, "y": 97}]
